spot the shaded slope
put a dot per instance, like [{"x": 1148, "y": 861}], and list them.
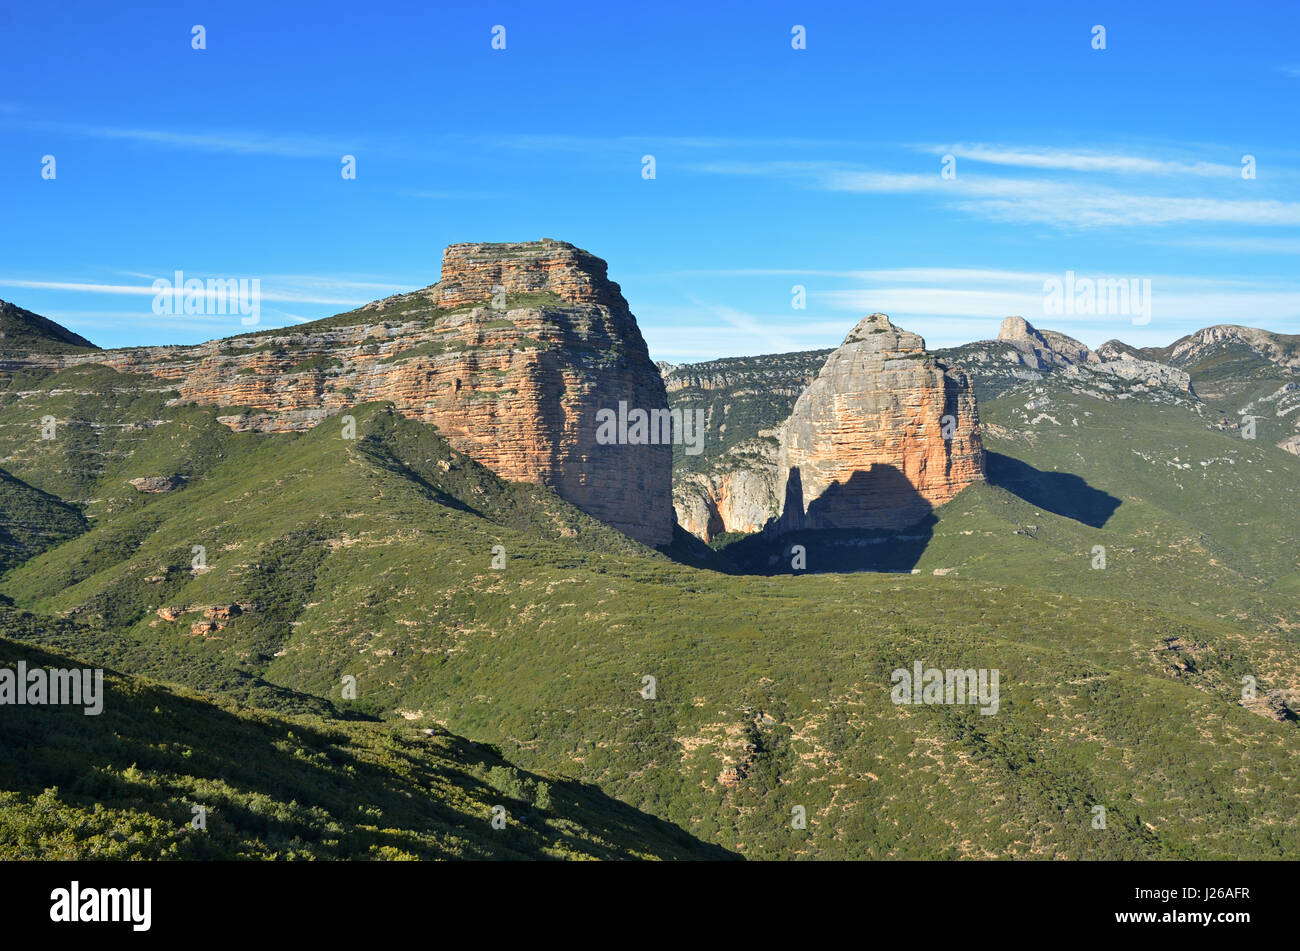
[
  {"x": 32, "y": 521},
  {"x": 22, "y": 331},
  {"x": 123, "y": 785}
]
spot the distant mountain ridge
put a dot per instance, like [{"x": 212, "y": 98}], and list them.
[
  {"x": 264, "y": 569},
  {"x": 22, "y": 331},
  {"x": 416, "y": 349}
]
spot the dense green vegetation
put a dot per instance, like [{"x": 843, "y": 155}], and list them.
[
  {"x": 21, "y": 331},
  {"x": 126, "y": 785},
  {"x": 324, "y": 558}
]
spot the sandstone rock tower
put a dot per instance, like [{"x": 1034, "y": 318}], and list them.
[
  {"x": 571, "y": 348},
  {"x": 865, "y": 446},
  {"x": 511, "y": 355}
]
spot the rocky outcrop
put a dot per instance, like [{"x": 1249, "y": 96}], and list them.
[
  {"x": 885, "y": 433},
  {"x": 1023, "y": 354},
  {"x": 858, "y": 441},
  {"x": 155, "y": 483},
  {"x": 511, "y": 355},
  {"x": 739, "y": 498},
  {"x": 731, "y": 485},
  {"x": 1044, "y": 348},
  {"x": 471, "y": 273}
]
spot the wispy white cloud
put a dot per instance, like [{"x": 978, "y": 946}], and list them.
[
  {"x": 1067, "y": 205},
  {"x": 771, "y": 334},
  {"x": 230, "y": 142},
  {"x": 297, "y": 289},
  {"x": 1079, "y": 161},
  {"x": 956, "y": 293},
  {"x": 1090, "y": 208},
  {"x": 1241, "y": 245}
]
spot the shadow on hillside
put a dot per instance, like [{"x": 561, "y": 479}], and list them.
[
  {"x": 303, "y": 785},
  {"x": 1060, "y": 493},
  {"x": 874, "y": 521}
]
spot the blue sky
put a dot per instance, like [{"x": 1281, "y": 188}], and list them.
[{"x": 774, "y": 166}]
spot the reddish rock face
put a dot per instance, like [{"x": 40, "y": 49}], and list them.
[
  {"x": 471, "y": 271},
  {"x": 865, "y": 446},
  {"x": 514, "y": 382}
]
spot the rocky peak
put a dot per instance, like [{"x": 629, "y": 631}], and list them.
[
  {"x": 867, "y": 444},
  {"x": 1281, "y": 349},
  {"x": 1046, "y": 347},
  {"x": 471, "y": 271},
  {"x": 1118, "y": 350},
  {"x": 878, "y": 331},
  {"x": 1019, "y": 330}
]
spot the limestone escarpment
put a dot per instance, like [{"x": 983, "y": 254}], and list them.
[
  {"x": 738, "y": 495},
  {"x": 885, "y": 433},
  {"x": 731, "y": 485},
  {"x": 1023, "y": 355},
  {"x": 510, "y": 355},
  {"x": 1044, "y": 348}
]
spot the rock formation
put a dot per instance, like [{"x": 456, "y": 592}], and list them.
[
  {"x": 510, "y": 355},
  {"x": 885, "y": 433},
  {"x": 731, "y": 486},
  {"x": 738, "y": 496},
  {"x": 1044, "y": 348}
]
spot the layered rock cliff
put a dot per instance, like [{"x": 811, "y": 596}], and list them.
[
  {"x": 511, "y": 355},
  {"x": 739, "y": 495},
  {"x": 1023, "y": 354},
  {"x": 731, "y": 485},
  {"x": 884, "y": 434},
  {"x": 849, "y": 438}
]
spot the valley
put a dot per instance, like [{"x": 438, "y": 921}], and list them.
[{"x": 206, "y": 527}]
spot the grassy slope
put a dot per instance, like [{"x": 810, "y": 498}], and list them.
[
  {"x": 123, "y": 785},
  {"x": 32, "y": 520},
  {"x": 22, "y": 331},
  {"x": 1201, "y": 524},
  {"x": 370, "y": 558}
]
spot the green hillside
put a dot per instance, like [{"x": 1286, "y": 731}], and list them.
[
  {"x": 21, "y": 331},
  {"x": 372, "y": 558},
  {"x": 32, "y": 520},
  {"x": 125, "y": 784}
]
